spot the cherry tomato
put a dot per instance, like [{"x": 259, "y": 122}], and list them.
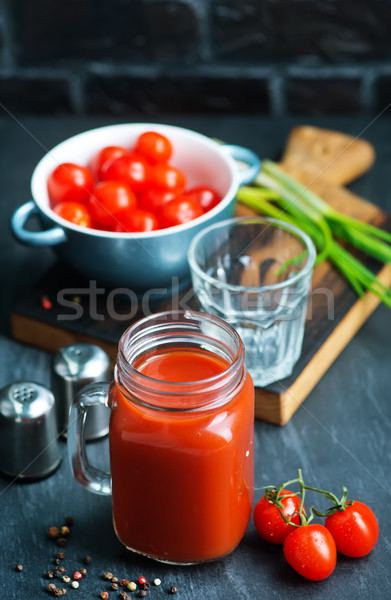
[
  {"x": 178, "y": 211},
  {"x": 168, "y": 177},
  {"x": 154, "y": 198},
  {"x": 206, "y": 196},
  {"x": 269, "y": 522},
  {"x": 69, "y": 181},
  {"x": 108, "y": 199},
  {"x": 154, "y": 146},
  {"x": 355, "y": 529},
  {"x": 103, "y": 159},
  {"x": 311, "y": 551},
  {"x": 75, "y": 212},
  {"x": 133, "y": 169},
  {"x": 137, "y": 220}
]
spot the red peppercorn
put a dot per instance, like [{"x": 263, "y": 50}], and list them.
[
  {"x": 77, "y": 575},
  {"x": 124, "y": 582},
  {"x": 141, "y": 580},
  {"x": 46, "y": 303}
]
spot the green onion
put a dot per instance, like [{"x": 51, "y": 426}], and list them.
[{"x": 277, "y": 195}]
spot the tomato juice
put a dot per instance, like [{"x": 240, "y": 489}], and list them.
[{"x": 182, "y": 478}]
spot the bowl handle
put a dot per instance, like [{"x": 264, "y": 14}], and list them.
[
  {"x": 50, "y": 237},
  {"x": 250, "y": 162}
]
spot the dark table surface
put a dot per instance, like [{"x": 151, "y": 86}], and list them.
[{"x": 342, "y": 433}]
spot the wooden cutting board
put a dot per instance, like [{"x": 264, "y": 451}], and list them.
[{"x": 320, "y": 159}]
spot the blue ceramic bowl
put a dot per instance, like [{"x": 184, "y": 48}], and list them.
[{"x": 137, "y": 261}]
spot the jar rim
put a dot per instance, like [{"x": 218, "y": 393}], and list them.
[{"x": 203, "y": 391}]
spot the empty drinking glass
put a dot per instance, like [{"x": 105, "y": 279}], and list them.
[{"x": 256, "y": 274}]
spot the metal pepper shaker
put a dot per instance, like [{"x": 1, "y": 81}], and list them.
[
  {"x": 29, "y": 447},
  {"x": 73, "y": 367}
]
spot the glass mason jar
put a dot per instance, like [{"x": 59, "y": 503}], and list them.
[{"x": 181, "y": 438}]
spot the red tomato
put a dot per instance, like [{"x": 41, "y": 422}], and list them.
[
  {"x": 154, "y": 146},
  {"x": 153, "y": 198},
  {"x": 137, "y": 220},
  {"x": 178, "y": 211},
  {"x": 103, "y": 159},
  {"x": 168, "y": 177},
  {"x": 311, "y": 551},
  {"x": 133, "y": 169},
  {"x": 108, "y": 199},
  {"x": 206, "y": 196},
  {"x": 269, "y": 522},
  {"x": 355, "y": 529},
  {"x": 75, "y": 212},
  {"x": 69, "y": 181}
]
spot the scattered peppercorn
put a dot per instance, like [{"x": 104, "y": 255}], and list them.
[
  {"x": 145, "y": 586},
  {"x": 51, "y": 587},
  {"x": 66, "y": 579},
  {"x": 57, "y": 561},
  {"x": 124, "y": 582},
  {"x": 46, "y": 303},
  {"x": 114, "y": 586},
  {"x": 157, "y": 581},
  {"x": 123, "y": 595},
  {"x": 53, "y": 532},
  {"x": 173, "y": 589},
  {"x": 114, "y": 579},
  {"x": 64, "y": 591},
  {"x": 75, "y": 584},
  {"x": 141, "y": 580},
  {"x": 60, "y": 555},
  {"x": 58, "y": 592},
  {"x": 49, "y": 575},
  {"x": 61, "y": 569},
  {"x": 142, "y": 594},
  {"x": 19, "y": 568},
  {"x": 69, "y": 521},
  {"x": 61, "y": 541},
  {"x": 65, "y": 530},
  {"x": 87, "y": 560},
  {"x": 108, "y": 576},
  {"x": 131, "y": 586},
  {"x": 104, "y": 595},
  {"x": 77, "y": 575}
]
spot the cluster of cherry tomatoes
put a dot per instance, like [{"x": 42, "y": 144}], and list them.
[
  {"x": 128, "y": 190},
  {"x": 350, "y": 528}
]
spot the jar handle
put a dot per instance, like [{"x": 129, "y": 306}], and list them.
[{"x": 95, "y": 480}]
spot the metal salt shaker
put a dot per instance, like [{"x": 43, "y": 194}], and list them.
[
  {"x": 29, "y": 446},
  {"x": 74, "y": 367}
]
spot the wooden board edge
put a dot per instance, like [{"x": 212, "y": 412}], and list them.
[
  {"x": 51, "y": 338},
  {"x": 279, "y": 408}
]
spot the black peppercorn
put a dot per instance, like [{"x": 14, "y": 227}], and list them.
[
  {"x": 142, "y": 594},
  {"x": 145, "y": 586},
  {"x": 114, "y": 586},
  {"x": 69, "y": 521},
  {"x": 51, "y": 587},
  {"x": 83, "y": 571},
  {"x": 61, "y": 541},
  {"x": 60, "y": 555},
  {"x": 87, "y": 559},
  {"x": 49, "y": 574},
  {"x": 173, "y": 589},
  {"x": 108, "y": 576}
]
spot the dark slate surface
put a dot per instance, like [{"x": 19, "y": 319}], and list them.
[{"x": 341, "y": 434}]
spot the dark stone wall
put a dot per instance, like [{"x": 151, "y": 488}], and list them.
[{"x": 156, "y": 56}]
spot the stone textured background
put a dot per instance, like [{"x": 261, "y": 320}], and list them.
[{"x": 185, "y": 56}]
